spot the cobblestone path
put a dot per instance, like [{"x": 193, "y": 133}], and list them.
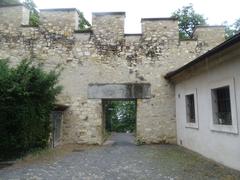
[{"x": 120, "y": 158}]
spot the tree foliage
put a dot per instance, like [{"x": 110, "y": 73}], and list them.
[
  {"x": 27, "y": 96},
  {"x": 232, "y": 29},
  {"x": 120, "y": 116},
  {"x": 34, "y": 15},
  {"x": 188, "y": 20},
  {"x": 83, "y": 23}
]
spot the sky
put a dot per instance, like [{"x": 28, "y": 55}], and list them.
[{"x": 216, "y": 11}]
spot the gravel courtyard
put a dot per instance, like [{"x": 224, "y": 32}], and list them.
[{"x": 120, "y": 158}]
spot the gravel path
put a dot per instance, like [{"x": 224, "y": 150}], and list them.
[{"x": 119, "y": 158}]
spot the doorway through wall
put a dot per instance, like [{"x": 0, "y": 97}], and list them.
[{"x": 119, "y": 115}]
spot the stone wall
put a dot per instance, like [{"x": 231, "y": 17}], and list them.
[
  {"x": 105, "y": 55},
  {"x": 60, "y": 21},
  {"x": 108, "y": 27},
  {"x": 208, "y": 36},
  {"x": 14, "y": 15}
]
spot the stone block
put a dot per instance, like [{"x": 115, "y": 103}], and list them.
[{"x": 119, "y": 91}]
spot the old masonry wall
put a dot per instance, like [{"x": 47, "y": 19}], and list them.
[{"x": 105, "y": 55}]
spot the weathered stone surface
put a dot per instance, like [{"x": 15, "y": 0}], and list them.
[
  {"x": 104, "y": 55},
  {"x": 119, "y": 91}
]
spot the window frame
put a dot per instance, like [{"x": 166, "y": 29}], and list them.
[
  {"x": 233, "y": 129},
  {"x": 193, "y": 125}
]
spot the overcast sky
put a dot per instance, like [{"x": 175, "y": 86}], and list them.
[{"x": 216, "y": 11}]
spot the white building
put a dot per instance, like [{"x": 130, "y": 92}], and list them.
[{"x": 207, "y": 94}]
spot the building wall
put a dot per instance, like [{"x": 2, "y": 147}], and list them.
[
  {"x": 104, "y": 55},
  {"x": 220, "y": 146}
]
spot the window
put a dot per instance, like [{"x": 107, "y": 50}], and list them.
[
  {"x": 191, "y": 112},
  {"x": 190, "y": 108},
  {"x": 221, "y": 106}
]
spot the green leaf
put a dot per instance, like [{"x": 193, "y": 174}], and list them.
[
  {"x": 188, "y": 20},
  {"x": 27, "y": 97}
]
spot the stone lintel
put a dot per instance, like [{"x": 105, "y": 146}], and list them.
[
  {"x": 60, "y": 107},
  {"x": 119, "y": 91}
]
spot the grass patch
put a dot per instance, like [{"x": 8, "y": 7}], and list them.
[{"x": 49, "y": 155}]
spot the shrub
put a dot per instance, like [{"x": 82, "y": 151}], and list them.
[{"x": 27, "y": 96}]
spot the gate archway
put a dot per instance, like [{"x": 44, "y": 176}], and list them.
[{"x": 122, "y": 91}]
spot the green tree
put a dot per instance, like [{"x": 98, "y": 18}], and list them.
[
  {"x": 188, "y": 20},
  {"x": 83, "y": 23},
  {"x": 27, "y": 97},
  {"x": 34, "y": 15},
  {"x": 232, "y": 29}
]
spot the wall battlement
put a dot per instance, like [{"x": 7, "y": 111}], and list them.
[
  {"x": 60, "y": 21},
  {"x": 165, "y": 28},
  {"x": 107, "y": 25},
  {"x": 14, "y": 15},
  {"x": 105, "y": 55},
  {"x": 212, "y": 35}
]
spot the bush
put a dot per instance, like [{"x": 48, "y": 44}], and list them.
[{"x": 27, "y": 96}]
